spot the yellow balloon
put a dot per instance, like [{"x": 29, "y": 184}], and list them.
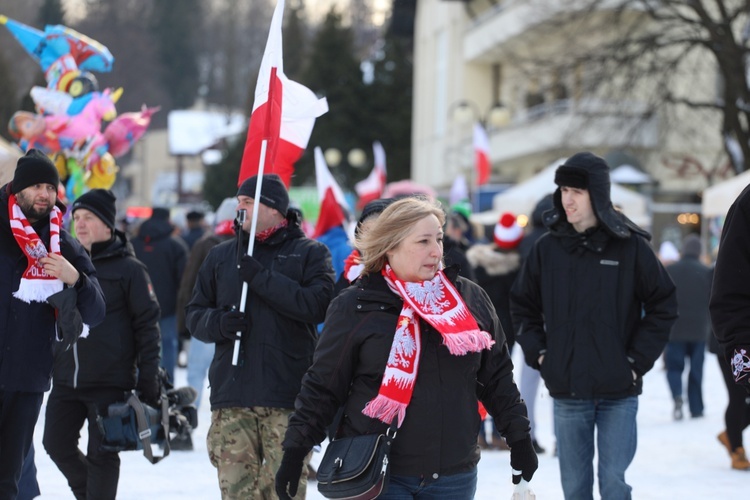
[
  {"x": 61, "y": 164},
  {"x": 103, "y": 173}
]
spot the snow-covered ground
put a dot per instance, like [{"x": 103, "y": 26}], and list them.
[{"x": 674, "y": 459}]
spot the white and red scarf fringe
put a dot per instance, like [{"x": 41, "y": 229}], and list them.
[
  {"x": 437, "y": 302},
  {"x": 36, "y": 285}
]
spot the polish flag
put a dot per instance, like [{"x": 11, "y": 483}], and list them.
[
  {"x": 371, "y": 188},
  {"x": 481, "y": 154},
  {"x": 331, "y": 197},
  {"x": 283, "y": 115}
]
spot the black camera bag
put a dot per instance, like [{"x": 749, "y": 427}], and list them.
[{"x": 132, "y": 425}]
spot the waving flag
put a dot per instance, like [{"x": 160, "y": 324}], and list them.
[
  {"x": 331, "y": 197},
  {"x": 283, "y": 115},
  {"x": 372, "y": 187},
  {"x": 481, "y": 154}
]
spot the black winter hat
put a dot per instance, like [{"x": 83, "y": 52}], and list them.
[
  {"x": 587, "y": 171},
  {"x": 273, "y": 193},
  {"x": 373, "y": 207},
  {"x": 101, "y": 202},
  {"x": 34, "y": 168}
]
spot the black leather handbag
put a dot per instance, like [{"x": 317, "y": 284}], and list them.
[{"x": 356, "y": 467}]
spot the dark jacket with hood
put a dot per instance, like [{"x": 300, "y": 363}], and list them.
[
  {"x": 165, "y": 257},
  {"x": 27, "y": 331},
  {"x": 692, "y": 279},
  {"x": 439, "y": 432},
  {"x": 598, "y": 304},
  {"x": 285, "y": 301},
  {"x": 128, "y": 338},
  {"x": 730, "y": 293}
]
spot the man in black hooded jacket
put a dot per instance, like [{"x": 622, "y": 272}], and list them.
[
  {"x": 119, "y": 355},
  {"x": 593, "y": 309}
]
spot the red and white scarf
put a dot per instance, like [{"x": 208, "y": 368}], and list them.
[
  {"x": 353, "y": 266},
  {"x": 438, "y": 303},
  {"x": 36, "y": 285}
]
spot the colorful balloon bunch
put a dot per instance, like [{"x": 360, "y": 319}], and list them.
[{"x": 71, "y": 109}]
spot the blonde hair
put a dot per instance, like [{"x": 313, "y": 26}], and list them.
[{"x": 392, "y": 227}]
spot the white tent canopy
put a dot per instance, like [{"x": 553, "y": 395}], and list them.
[
  {"x": 523, "y": 197},
  {"x": 718, "y": 198}
]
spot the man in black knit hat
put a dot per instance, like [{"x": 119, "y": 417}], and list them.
[
  {"x": 290, "y": 281},
  {"x": 592, "y": 309},
  {"x": 99, "y": 370},
  {"x": 40, "y": 262}
]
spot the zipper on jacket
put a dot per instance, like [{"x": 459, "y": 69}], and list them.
[{"x": 75, "y": 370}]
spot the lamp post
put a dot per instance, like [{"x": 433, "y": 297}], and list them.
[{"x": 355, "y": 158}]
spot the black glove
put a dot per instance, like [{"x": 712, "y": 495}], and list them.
[
  {"x": 290, "y": 471},
  {"x": 149, "y": 389},
  {"x": 523, "y": 458},
  {"x": 249, "y": 267},
  {"x": 69, "y": 322},
  {"x": 233, "y": 322}
]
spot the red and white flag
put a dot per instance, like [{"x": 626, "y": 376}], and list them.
[
  {"x": 284, "y": 113},
  {"x": 371, "y": 188},
  {"x": 331, "y": 197},
  {"x": 481, "y": 154}
]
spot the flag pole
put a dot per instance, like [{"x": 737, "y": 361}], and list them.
[{"x": 250, "y": 243}]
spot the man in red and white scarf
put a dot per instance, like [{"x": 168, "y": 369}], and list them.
[{"x": 37, "y": 260}]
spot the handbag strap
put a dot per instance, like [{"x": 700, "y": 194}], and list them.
[{"x": 144, "y": 431}]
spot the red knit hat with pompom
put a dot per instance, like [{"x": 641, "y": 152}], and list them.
[{"x": 508, "y": 234}]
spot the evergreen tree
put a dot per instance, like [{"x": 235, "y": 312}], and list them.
[
  {"x": 333, "y": 71},
  {"x": 51, "y": 13},
  {"x": 391, "y": 94},
  {"x": 221, "y": 178},
  {"x": 295, "y": 40},
  {"x": 8, "y": 104},
  {"x": 174, "y": 28}
]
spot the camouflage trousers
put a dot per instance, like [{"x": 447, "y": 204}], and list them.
[{"x": 244, "y": 444}]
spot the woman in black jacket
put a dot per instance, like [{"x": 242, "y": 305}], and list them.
[{"x": 371, "y": 350}]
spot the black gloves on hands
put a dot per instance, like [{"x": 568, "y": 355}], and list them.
[
  {"x": 249, "y": 267},
  {"x": 523, "y": 458},
  {"x": 232, "y": 322},
  {"x": 149, "y": 390},
  {"x": 290, "y": 471}
]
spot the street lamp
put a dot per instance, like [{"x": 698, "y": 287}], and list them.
[
  {"x": 466, "y": 111},
  {"x": 356, "y": 158}
]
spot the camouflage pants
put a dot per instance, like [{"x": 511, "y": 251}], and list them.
[{"x": 244, "y": 444}]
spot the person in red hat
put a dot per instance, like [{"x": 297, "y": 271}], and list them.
[{"x": 496, "y": 266}]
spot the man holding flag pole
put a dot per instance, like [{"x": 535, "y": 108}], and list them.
[{"x": 261, "y": 308}]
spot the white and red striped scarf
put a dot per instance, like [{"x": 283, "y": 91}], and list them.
[
  {"x": 438, "y": 303},
  {"x": 35, "y": 285}
]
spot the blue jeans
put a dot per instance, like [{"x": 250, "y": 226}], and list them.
[
  {"x": 674, "y": 359},
  {"x": 168, "y": 327},
  {"x": 615, "y": 424},
  {"x": 461, "y": 486},
  {"x": 200, "y": 356}
]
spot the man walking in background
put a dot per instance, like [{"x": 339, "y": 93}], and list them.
[{"x": 165, "y": 256}]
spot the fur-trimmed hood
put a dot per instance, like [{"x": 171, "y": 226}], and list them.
[{"x": 494, "y": 261}]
